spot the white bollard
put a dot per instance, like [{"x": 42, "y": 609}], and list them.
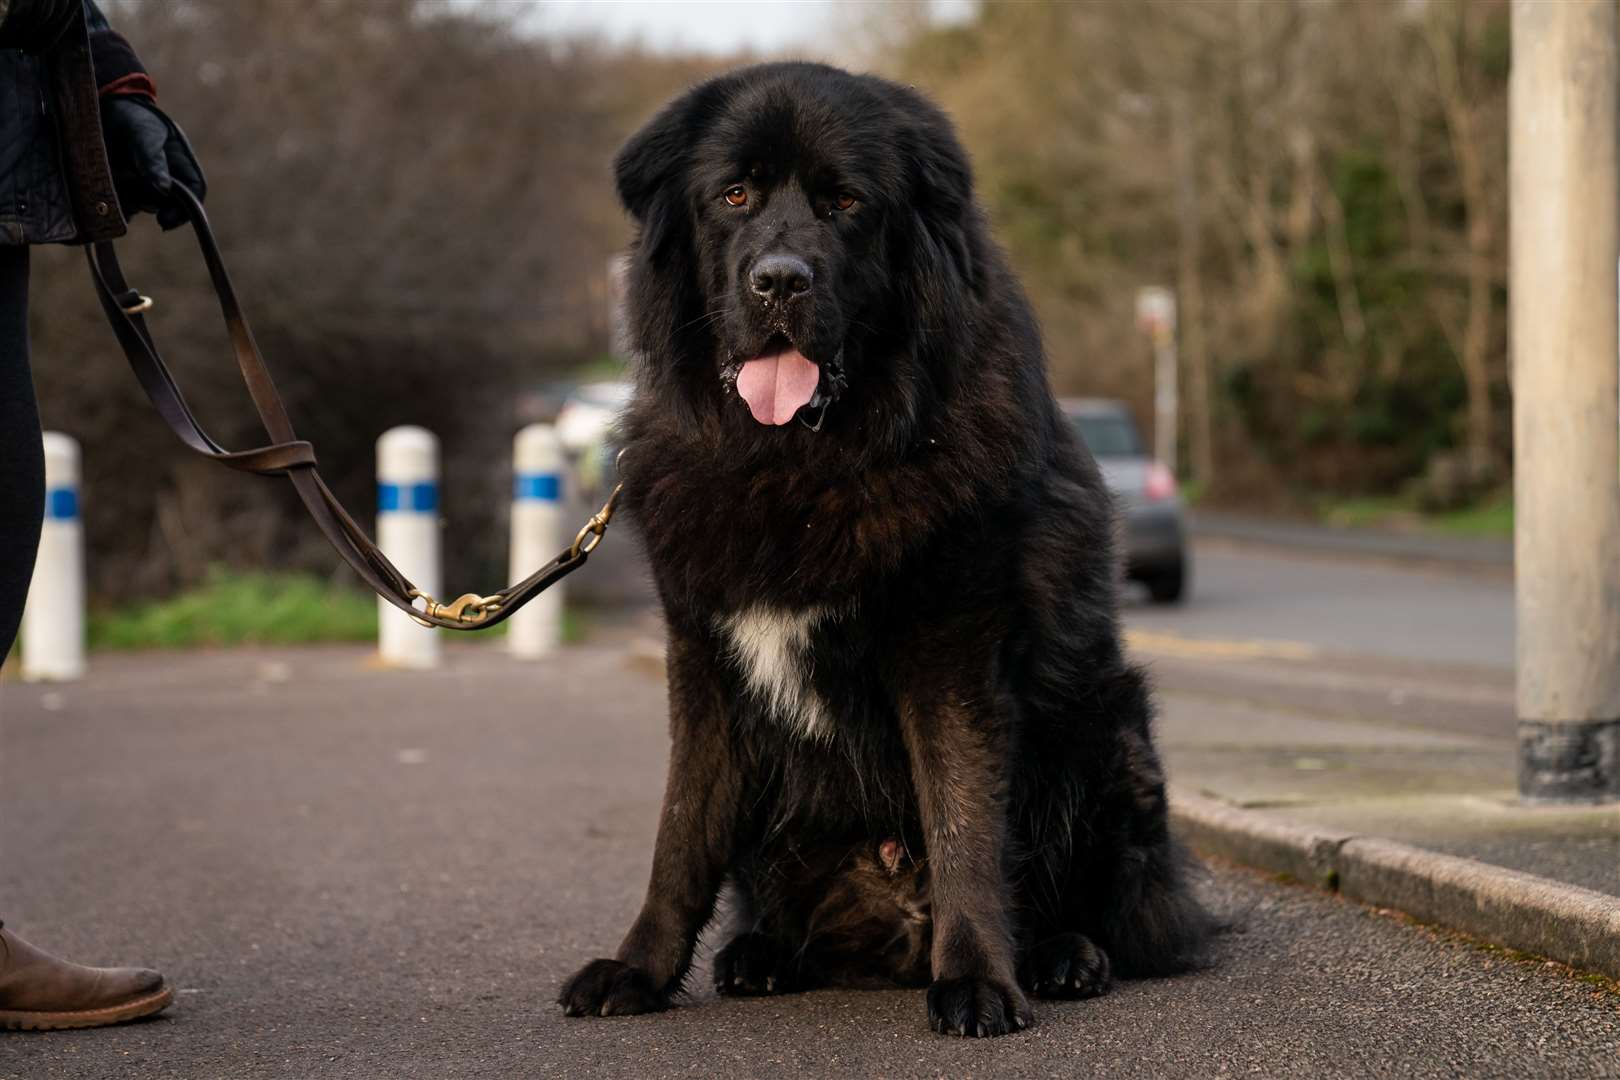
[
  {"x": 53, "y": 618},
  {"x": 537, "y": 536},
  {"x": 408, "y": 533}
]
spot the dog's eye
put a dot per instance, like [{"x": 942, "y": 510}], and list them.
[
  {"x": 844, "y": 201},
  {"x": 737, "y": 196}
]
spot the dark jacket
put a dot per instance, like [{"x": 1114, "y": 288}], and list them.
[{"x": 55, "y": 182}]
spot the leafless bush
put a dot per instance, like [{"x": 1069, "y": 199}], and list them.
[{"x": 416, "y": 206}]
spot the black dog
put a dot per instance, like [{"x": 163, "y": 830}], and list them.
[{"x": 903, "y": 727}]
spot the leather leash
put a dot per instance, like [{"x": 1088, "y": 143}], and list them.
[{"x": 288, "y": 455}]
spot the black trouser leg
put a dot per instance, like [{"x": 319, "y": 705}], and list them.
[{"x": 22, "y": 458}]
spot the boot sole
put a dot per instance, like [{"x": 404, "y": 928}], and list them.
[{"x": 24, "y": 1020}]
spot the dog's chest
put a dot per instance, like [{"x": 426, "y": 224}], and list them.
[{"x": 775, "y": 651}]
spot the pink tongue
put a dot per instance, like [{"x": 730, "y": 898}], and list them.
[{"x": 778, "y": 386}]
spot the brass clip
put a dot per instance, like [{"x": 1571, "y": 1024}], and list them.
[
  {"x": 469, "y": 608},
  {"x": 596, "y": 527}
]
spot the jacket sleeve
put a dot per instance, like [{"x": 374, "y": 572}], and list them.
[
  {"x": 118, "y": 70},
  {"x": 35, "y": 25}
]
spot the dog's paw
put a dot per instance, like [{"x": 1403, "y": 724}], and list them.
[
  {"x": 609, "y": 988},
  {"x": 751, "y": 964},
  {"x": 1069, "y": 966},
  {"x": 977, "y": 1006}
]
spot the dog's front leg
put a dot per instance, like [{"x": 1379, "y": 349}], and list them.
[
  {"x": 957, "y": 744},
  {"x": 690, "y": 857}
]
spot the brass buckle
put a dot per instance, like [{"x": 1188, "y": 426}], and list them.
[
  {"x": 469, "y": 608},
  {"x": 145, "y": 303}
]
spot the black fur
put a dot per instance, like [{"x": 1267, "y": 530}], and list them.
[{"x": 984, "y": 808}]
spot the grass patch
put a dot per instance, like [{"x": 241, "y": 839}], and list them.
[
  {"x": 1493, "y": 517},
  {"x": 263, "y": 609},
  {"x": 241, "y": 609},
  {"x": 1490, "y": 517},
  {"x": 1365, "y": 512}
]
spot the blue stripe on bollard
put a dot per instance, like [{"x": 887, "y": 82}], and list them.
[
  {"x": 547, "y": 487},
  {"x": 408, "y": 498},
  {"x": 62, "y": 504}
]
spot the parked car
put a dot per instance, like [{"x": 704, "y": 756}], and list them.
[
  {"x": 589, "y": 411},
  {"x": 585, "y": 429},
  {"x": 1155, "y": 533}
]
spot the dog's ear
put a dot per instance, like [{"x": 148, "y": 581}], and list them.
[
  {"x": 650, "y": 168},
  {"x": 648, "y": 174},
  {"x": 944, "y": 239},
  {"x": 942, "y": 195},
  {"x": 665, "y": 298},
  {"x": 654, "y": 157}
]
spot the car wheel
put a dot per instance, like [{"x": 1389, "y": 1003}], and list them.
[{"x": 1168, "y": 586}]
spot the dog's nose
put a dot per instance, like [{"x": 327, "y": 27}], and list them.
[{"x": 781, "y": 277}]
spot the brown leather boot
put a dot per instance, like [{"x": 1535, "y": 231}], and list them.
[{"x": 38, "y": 992}]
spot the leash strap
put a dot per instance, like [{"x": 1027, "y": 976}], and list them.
[{"x": 288, "y": 455}]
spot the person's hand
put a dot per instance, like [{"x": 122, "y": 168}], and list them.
[{"x": 149, "y": 154}]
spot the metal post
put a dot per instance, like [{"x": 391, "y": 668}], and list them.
[
  {"x": 537, "y": 536},
  {"x": 1156, "y": 317},
  {"x": 408, "y": 533},
  {"x": 1190, "y": 295},
  {"x": 53, "y": 619},
  {"x": 1566, "y": 425},
  {"x": 1166, "y": 401}
]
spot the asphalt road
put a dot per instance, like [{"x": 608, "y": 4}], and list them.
[
  {"x": 351, "y": 872},
  {"x": 1354, "y": 607},
  {"x": 1349, "y": 606},
  {"x": 1425, "y": 647}
]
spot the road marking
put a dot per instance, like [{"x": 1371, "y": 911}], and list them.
[{"x": 1206, "y": 648}]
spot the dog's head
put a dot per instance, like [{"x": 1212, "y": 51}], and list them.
[{"x": 807, "y": 248}]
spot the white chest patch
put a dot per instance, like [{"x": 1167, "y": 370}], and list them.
[{"x": 772, "y": 649}]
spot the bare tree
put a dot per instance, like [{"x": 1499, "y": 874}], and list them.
[
  {"x": 1322, "y": 179},
  {"x": 1473, "y": 116}
]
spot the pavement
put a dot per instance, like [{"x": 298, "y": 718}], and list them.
[
  {"x": 349, "y": 871},
  {"x": 1379, "y": 703}
]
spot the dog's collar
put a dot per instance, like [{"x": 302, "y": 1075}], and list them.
[{"x": 833, "y": 384}]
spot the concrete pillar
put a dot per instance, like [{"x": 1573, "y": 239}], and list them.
[
  {"x": 537, "y": 536},
  {"x": 408, "y": 533},
  {"x": 53, "y": 619},
  {"x": 1566, "y": 426}
]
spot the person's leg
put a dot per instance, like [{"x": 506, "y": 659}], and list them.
[
  {"x": 39, "y": 991},
  {"x": 22, "y": 459}
]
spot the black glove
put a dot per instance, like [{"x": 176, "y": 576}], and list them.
[
  {"x": 35, "y": 26},
  {"x": 149, "y": 155}
]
